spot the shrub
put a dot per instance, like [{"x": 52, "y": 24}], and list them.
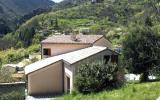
[
  {"x": 5, "y": 75},
  {"x": 97, "y": 76},
  {"x": 34, "y": 48},
  {"x": 12, "y": 96}
]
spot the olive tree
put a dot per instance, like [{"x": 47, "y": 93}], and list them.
[{"x": 141, "y": 51}]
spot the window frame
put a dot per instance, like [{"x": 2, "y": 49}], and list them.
[{"x": 47, "y": 51}]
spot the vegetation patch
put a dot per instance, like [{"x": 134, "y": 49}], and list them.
[
  {"x": 12, "y": 92},
  {"x": 94, "y": 77},
  {"x": 131, "y": 91}
]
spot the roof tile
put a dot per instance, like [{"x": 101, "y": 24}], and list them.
[{"x": 81, "y": 39}]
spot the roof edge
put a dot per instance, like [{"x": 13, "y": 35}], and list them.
[
  {"x": 87, "y": 57},
  {"x": 43, "y": 67}
]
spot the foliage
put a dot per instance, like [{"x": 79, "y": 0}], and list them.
[
  {"x": 142, "y": 49},
  {"x": 26, "y": 32},
  {"x": 133, "y": 91},
  {"x": 16, "y": 55},
  {"x": 14, "y": 12},
  {"x": 12, "y": 96},
  {"x": 3, "y": 27},
  {"x": 5, "y": 76},
  {"x": 12, "y": 92},
  {"x": 34, "y": 60},
  {"x": 101, "y": 18},
  {"x": 94, "y": 77},
  {"x": 34, "y": 48}
]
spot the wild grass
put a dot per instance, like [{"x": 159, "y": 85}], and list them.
[
  {"x": 12, "y": 93},
  {"x": 131, "y": 91}
]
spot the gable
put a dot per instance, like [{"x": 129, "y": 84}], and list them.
[{"x": 103, "y": 42}]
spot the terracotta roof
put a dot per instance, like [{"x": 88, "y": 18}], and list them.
[{"x": 81, "y": 39}]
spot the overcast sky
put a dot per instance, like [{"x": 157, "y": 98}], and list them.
[{"x": 57, "y": 0}]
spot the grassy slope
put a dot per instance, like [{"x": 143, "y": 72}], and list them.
[
  {"x": 144, "y": 91},
  {"x": 83, "y": 16}
]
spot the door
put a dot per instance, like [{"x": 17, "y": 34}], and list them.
[{"x": 68, "y": 84}]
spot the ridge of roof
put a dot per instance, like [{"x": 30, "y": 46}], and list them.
[{"x": 81, "y": 39}]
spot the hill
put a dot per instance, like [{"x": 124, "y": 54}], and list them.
[
  {"x": 111, "y": 18},
  {"x": 12, "y": 10}
]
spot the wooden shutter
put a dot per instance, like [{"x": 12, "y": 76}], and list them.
[{"x": 49, "y": 52}]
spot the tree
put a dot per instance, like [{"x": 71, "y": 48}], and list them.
[
  {"x": 141, "y": 49},
  {"x": 3, "y": 27},
  {"x": 56, "y": 26},
  {"x": 97, "y": 76}
]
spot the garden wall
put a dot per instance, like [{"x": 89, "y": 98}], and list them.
[{"x": 12, "y": 91}]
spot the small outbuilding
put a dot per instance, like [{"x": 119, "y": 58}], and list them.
[{"x": 55, "y": 75}]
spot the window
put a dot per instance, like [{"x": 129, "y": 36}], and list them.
[
  {"x": 47, "y": 51},
  {"x": 114, "y": 58},
  {"x": 68, "y": 84},
  {"x": 106, "y": 58}
]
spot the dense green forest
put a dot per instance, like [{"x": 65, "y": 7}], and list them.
[{"x": 13, "y": 11}]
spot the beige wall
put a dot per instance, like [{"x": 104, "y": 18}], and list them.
[
  {"x": 57, "y": 49},
  {"x": 103, "y": 42},
  {"x": 68, "y": 73},
  {"x": 98, "y": 56},
  {"x": 48, "y": 80}
]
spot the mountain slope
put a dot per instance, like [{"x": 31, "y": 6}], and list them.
[
  {"x": 22, "y": 7},
  {"x": 111, "y": 18},
  {"x": 12, "y": 10}
]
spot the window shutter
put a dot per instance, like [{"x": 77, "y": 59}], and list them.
[
  {"x": 49, "y": 52},
  {"x": 114, "y": 58}
]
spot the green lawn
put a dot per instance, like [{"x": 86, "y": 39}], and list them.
[{"x": 134, "y": 91}]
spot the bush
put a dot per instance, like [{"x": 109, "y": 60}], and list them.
[
  {"x": 34, "y": 48},
  {"x": 12, "y": 92},
  {"x": 97, "y": 76},
  {"x": 5, "y": 76},
  {"x": 16, "y": 55},
  {"x": 12, "y": 96}
]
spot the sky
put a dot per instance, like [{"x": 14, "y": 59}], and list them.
[{"x": 57, "y": 0}]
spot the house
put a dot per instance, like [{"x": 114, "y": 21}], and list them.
[
  {"x": 60, "y": 44},
  {"x": 65, "y": 53}
]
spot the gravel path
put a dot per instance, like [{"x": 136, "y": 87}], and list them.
[{"x": 37, "y": 98}]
